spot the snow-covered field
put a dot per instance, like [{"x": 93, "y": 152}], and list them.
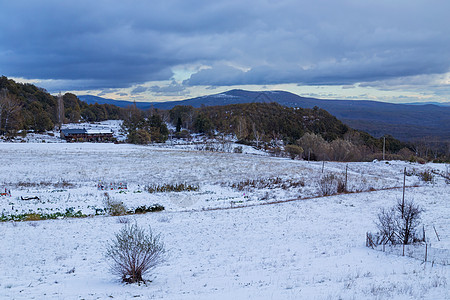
[{"x": 221, "y": 241}]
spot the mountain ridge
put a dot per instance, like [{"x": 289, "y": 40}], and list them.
[{"x": 403, "y": 121}]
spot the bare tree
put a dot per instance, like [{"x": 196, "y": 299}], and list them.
[
  {"x": 9, "y": 105},
  {"x": 60, "y": 110},
  {"x": 386, "y": 225},
  {"x": 257, "y": 135},
  {"x": 406, "y": 226},
  {"x": 398, "y": 224}
]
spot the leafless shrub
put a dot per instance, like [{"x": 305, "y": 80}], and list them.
[
  {"x": 398, "y": 225},
  {"x": 123, "y": 220},
  {"x": 133, "y": 252},
  {"x": 386, "y": 226},
  {"x": 426, "y": 176},
  {"x": 331, "y": 184},
  {"x": 113, "y": 207}
]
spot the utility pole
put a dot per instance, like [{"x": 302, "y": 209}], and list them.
[{"x": 403, "y": 198}]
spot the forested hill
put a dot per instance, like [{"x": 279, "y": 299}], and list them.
[
  {"x": 405, "y": 122},
  {"x": 25, "y": 106},
  {"x": 269, "y": 122}
]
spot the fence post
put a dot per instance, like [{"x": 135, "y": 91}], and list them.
[
  {"x": 437, "y": 235},
  {"x": 423, "y": 227},
  {"x": 403, "y": 250},
  {"x": 346, "y": 167},
  {"x": 426, "y": 252}
]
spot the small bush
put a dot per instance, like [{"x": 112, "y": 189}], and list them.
[
  {"x": 178, "y": 187},
  {"x": 237, "y": 149},
  {"x": 134, "y": 252},
  {"x": 114, "y": 207},
  {"x": 398, "y": 225},
  {"x": 123, "y": 220},
  {"x": 32, "y": 217},
  {"x": 267, "y": 183},
  {"x": 331, "y": 184},
  {"x": 145, "y": 209},
  {"x": 426, "y": 176}
]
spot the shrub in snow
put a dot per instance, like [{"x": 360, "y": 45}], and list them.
[
  {"x": 145, "y": 209},
  {"x": 114, "y": 207},
  {"x": 398, "y": 225},
  {"x": 293, "y": 151},
  {"x": 238, "y": 149},
  {"x": 133, "y": 252},
  {"x": 331, "y": 184},
  {"x": 426, "y": 176}
]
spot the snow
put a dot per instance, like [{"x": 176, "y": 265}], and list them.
[{"x": 221, "y": 243}]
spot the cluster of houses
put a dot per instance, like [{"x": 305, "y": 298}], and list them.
[{"x": 87, "y": 135}]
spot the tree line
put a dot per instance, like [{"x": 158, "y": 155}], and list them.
[{"x": 25, "y": 107}]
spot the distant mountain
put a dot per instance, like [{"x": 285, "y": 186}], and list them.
[
  {"x": 403, "y": 121},
  {"x": 89, "y": 99},
  {"x": 425, "y": 103}
]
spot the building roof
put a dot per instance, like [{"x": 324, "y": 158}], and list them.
[
  {"x": 99, "y": 131},
  {"x": 73, "y": 131}
]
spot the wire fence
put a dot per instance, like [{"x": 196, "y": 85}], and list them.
[{"x": 420, "y": 251}]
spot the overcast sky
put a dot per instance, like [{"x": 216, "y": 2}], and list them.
[{"x": 397, "y": 51}]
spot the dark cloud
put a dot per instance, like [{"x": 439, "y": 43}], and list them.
[
  {"x": 139, "y": 90},
  {"x": 173, "y": 89},
  {"x": 113, "y": 44}
]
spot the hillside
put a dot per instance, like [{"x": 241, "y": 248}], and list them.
[
  {"x": 26, "y": 107},
  {"x": 405, "y": 122}
]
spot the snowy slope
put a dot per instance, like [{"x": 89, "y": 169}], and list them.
[{"x": 312, "y": 248}]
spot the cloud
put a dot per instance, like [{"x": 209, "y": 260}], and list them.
[
  {"x": 79, "y": 45},
  {"x": 106, "y": 91},
  {"x": 139, "y": 90},
  {"x": 173, "y": 89}
]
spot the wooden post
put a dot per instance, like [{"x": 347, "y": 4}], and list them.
[
  {"x": 437, "y": 235},
  {"x": 403, "y": 250},
  {"x": 403, "y": 198},
  {"x": 426, "y": 251},
  {"x": 323, "y": 165},
  {"x": 346, "y": 167},
  {"x": 384, "y": 146}
]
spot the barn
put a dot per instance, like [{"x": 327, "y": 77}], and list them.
[{"x": 86, "y": 135}]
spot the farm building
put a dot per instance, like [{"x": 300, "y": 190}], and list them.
[{"x": 86, "y": 135}]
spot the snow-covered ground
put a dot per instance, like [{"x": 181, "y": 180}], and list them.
[{"x": 221, "y": 241}]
